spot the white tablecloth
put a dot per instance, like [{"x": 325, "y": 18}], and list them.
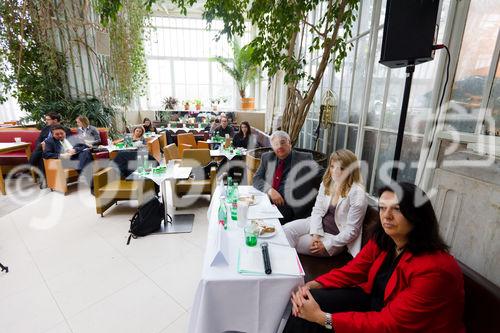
[
  {"x": 225, "y": 153},
  {"x": 228, "y": 301}
]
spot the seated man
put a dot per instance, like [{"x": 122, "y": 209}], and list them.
[
  {"x": 224, "y": 128},
  {"x": 57, "y": 146},
  {"x": 290, "y": 178},
  {"x": 51, "y": 119}
]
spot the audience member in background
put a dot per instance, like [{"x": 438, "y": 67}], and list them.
[
  {"x": 225, "y": 128},
  {"x": 87, "y": 133},
  {"x": 403, "y": 280},
  {"x": 288, "y": 177},
  {"x": 148, "y": 126},
  {"x": 244, "y": 138},
  {"x": 51, "y": 119},
  {"x": 214, "y": 123},
  {"x": 138, "y": 135},
  {"x": 337, "y": 217},
  {"x": 59, "y": 147}
]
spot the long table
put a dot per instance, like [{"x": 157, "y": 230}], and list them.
[{"x": 228, "y": 301}]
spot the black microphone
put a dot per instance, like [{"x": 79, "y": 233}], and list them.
[{"x": 265, "y": 256}]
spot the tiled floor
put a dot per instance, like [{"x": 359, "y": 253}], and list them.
[{"x": 71, "y": 270}]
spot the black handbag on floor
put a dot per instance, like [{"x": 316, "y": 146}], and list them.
[{"x": 147, "y": 219}]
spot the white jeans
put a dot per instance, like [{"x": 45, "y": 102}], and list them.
[{"x": 297, "y": 233}]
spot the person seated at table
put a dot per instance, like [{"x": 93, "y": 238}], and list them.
[
  {"x": 148, "y": 126},
  {"x": 288, "y": 177},
  {"x": 337, "y": 217},
  {"x": 403, "y": 280},
  {"x": 245, "y": 138},
  {"x": 86, "y": 132},
  {"x": 59, "y": 147},
  {"x": 51, "y": 119},
  {"x": 224, "y": 128},
  {"x": 214, "y": 123},
  {"x": 137, "y": 137}
]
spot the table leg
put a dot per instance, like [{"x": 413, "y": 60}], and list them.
[
  {"x": 28, "y": 155},
  {"x": 2, "y": 182},
  {"x": 181, "y": 223}
]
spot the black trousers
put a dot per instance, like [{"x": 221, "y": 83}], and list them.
[
  {"x": 332, "y": 301},
  {"x": 37, "y": 160}
]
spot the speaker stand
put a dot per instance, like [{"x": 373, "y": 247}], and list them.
[{"x": 402, "y": 120}]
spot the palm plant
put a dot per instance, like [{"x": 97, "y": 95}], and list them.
[{"x": 241, "y": 68}]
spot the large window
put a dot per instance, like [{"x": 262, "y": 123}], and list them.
[
  {"x": 475, "y": 93},
  {"x": 370, "y": 97},
  {"x": 178, "y": 54}
]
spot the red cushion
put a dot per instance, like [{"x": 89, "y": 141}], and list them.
[
  {"x": 20, "y": 153},
  {"x": 13, "y": 160},
  {"x": 25, "y": 135}
]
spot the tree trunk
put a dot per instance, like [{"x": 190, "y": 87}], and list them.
[{"x": 297, "y": 108}]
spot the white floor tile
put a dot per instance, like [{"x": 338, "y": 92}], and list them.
[
  {"x": 61, "y": 257},
  {"x": 140, "y": 307},
  {"x": 31, "y": 310},
  {"x": 180, "y": 278},
  {"x": 63, "y": 327},
  {"x": 178, "y": 326},
  {"x": 77, "y": 289}
]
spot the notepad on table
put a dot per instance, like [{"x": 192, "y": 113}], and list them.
[
  {"x": 284, "y": 261},
  {"x": 264, "y": 212}
]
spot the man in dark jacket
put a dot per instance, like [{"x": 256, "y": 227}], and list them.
[
  {"x": 73, "y": 155},
  {"x": 51, "y": 119},
  {"x": 290, "y": 178},
  {"x": 225, "y": 128}
]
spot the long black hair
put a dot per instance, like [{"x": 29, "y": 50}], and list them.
[
  {"x": 149, "y": 128},
  {"x": 416, "y": 207},
  {"x": 249, "y": 129}
]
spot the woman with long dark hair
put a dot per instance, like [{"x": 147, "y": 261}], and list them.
[
  {"x": 148, "y": 126},
  {"x": 244, "y": 138},
  {"x": 403, "y": 280}
]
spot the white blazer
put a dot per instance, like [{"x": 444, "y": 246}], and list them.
[{"x": 349, "y": 216}]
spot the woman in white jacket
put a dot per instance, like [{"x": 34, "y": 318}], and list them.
[{"x": 336, "y": 220}]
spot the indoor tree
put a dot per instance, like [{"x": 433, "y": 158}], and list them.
[
  {"x": 242, "y": 69},
  {"x": 280, "y": 43}
]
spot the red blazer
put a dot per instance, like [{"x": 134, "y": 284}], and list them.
[{"x": 425, "y": 293}]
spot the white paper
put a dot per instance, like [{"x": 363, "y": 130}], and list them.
[
  {"x": 284, "y": 261},
  {"x": 264, "y": 212},
  {"x": 221, "y": 253}
]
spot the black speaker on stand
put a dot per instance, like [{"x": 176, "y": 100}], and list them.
[{"x": 408, "y": 40}]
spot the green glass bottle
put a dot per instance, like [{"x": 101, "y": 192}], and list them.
[{"x": 222, "y": 214}]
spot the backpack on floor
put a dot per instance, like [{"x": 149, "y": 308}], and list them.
[{"x": 147, "y": 219}]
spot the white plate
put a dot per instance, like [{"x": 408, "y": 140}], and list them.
[{"x": 268, "y": 234}]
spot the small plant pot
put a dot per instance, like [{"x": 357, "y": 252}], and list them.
[
  {"x": 198, "y": 107},
  {"x": 186, "y": 107},
  {"x": 248, "y": 103}
]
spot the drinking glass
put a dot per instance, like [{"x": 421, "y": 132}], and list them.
[{"x": 251, "y": 234}]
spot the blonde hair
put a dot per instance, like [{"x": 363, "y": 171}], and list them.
[
  {"x": 348, "y": 161},
  {"x": 84, "y": 120}
]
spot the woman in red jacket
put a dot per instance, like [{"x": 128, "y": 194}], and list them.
[{"x": 403, "y": 280}]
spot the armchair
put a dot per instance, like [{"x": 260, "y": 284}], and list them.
[
  {"x": 196, "y": 158},
  {"x": 187, "y": 141},
  {"x": 57, "y": 176},
  {"x": 109, "y": 189}
]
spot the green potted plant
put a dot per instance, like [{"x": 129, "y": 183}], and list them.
[
  {"x": 197, "y": 104},
  {"x": 243, "y": 71}
]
